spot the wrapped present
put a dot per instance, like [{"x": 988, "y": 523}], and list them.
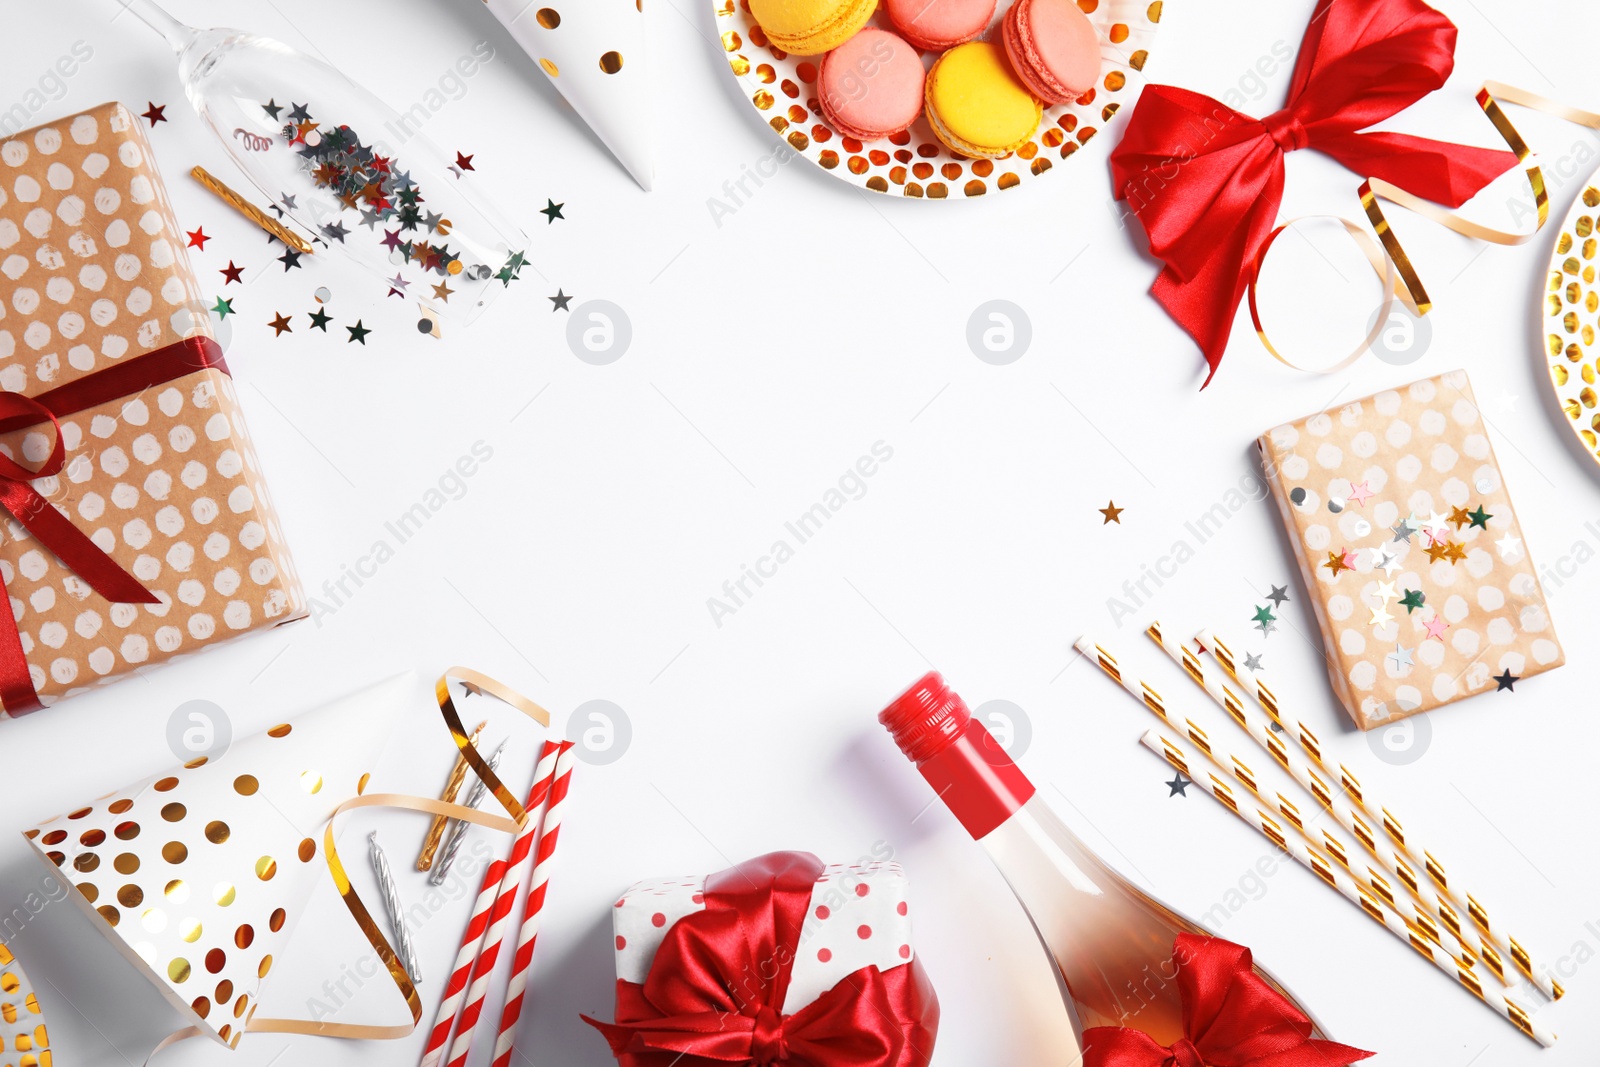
[
  {"x": 1417, "y": 569},
  {"x": 778, "y": 960},
  {"x": 198, "y": 875},
  {"x": 140, "y": 527}
]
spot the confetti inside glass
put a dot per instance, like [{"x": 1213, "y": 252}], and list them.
[{"x": 340, "y": 163}]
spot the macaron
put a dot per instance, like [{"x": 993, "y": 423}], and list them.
[
  {"x": 934, "y": 25},
  {"x": 976, "y": 105},
  {"x": 871, "y": 86},
  {"x": 811, "y": 27},
  {"x": 1053, "y": 48}
]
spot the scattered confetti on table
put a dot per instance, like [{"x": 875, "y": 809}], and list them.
[
  {"x": 319, "y": 319},
  {"x": 358, "y": 333},
  {"x": 223, "y": 308},
  {"x": 1505, "y": 681},
  {"x": 231, "y": 273},
  {"x": 154, "y": 114},
  {"x": 560, "y": 301},
  {"x": 280, "y": 324},
  {"x": 198, "y": 238},
  {"x": 1112, "y": 513},
  {"x": 552, "y": 210},
  {"x": 1176, "y": 786}
]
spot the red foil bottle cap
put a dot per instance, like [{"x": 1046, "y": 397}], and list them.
[{"x": 926, "y": 719}]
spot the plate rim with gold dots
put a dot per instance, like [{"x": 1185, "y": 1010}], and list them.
[
  {"x": 19, "y": 1003},
  {"x": 915, "y": 164},
  {"x": 1572, "y": 296}
]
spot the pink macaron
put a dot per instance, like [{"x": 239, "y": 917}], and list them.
[
  {"x": 1053, "y": 48},
  {"x": 871, "y": 86},
  {"x": 934, "y": 25}
]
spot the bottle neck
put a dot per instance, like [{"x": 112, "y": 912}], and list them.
[{"x": 977, "y": 781}]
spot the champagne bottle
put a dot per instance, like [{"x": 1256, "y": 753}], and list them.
[{"x": 1111, "y": 942}]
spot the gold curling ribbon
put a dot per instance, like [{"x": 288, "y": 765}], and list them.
[
  {"x": 512, "y": 823},
  {"x": 1388, "y": 257}
]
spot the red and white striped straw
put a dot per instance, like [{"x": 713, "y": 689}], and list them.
[
  {"x": 517, "y": 984},
  {"x": 455, "y": 989},
  {"x": 468, "y": 1013}
]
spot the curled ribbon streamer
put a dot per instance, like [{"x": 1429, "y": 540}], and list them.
[
  {"x": 1401, "y": 280},
  {"x": 509, "y": 824}
]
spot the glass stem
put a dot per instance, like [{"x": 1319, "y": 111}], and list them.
[{"x": 176, "y": 33}]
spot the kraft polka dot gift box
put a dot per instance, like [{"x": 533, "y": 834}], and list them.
[
  {"x": 785, "y": 953},
  {"x": 1405, "y": 535},
  {"x": 148, "y": 532}
]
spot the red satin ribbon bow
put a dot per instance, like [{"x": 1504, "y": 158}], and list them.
[
  {"x": 52, "y": 529},
  {"x": 716, "y": 988},
  {"x": 1207, "y": 181},
  {"x": 1231, "y": 1018}
]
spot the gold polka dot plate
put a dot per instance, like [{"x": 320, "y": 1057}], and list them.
[
  {"x": 1571, "y": 300},
  {"x": 24, "y": 1041},
  {"x": 782, "y": 88}
]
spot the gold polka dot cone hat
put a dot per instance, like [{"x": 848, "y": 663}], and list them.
[
  {"x": 594, "y": 54},
  {"x": 24, "y": 1039},
  {"x": 198, "y": 875}
]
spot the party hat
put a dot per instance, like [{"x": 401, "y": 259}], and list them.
[
  {"x": 24, "y": 1039},
  {"x": 593, "y": 53},
  {"x": 198, "y": 875}
]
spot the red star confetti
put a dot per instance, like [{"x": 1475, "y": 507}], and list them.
[
  {"x": 155, "y": 114},
  {"x": 231, "y": 272},
  {"x": 464, "y": 162},
  {"x": 198, "y": 239}
]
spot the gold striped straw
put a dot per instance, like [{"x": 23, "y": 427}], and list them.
[
  {"x": 1503, "y": 1003},
  {"x": 250, "y": 211},
  {"x": 1493, "y": 939},
  {"x": 1414, "y": 912},
  {"x": 452, "y": 788}
]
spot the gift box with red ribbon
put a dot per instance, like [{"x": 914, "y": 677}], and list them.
[
  {"x": 137, "y": 526},
  {"x": 780, "y": 960}
]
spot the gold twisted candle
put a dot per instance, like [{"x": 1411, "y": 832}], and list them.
[
  {"x": 452, "y": 788},
  {"x": 250, "y": 211}
]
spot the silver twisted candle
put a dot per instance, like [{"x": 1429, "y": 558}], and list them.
[
  {"x": 397, "y": 914},
  {"x": 458, "y": 832}
]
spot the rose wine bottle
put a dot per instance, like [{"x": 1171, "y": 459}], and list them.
[{"x": 1111, "y": 942}]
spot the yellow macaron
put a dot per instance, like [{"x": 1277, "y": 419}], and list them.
[
  {"x": 811, "y": 27},
  {"x": 976, "y": 105}
]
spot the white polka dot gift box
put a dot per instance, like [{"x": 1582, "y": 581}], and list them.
[
  {"x": 1405, "y": 535},
  {"x": 780, "y": 959},
  {"x": 198, "y": 875},
  {"x": 138, "y": 525}
]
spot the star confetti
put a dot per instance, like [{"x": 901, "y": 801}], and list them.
[
  {"x": 1480, "y": 518},
  {"x": 1385, "y": 592},
  {"x": 1436, "y": 627},
  {"x": 1340, "y": 561},
  {"x": 1505, "y": 681},
  {"x": 280, "y": 324},
  {"x": 335, "y": 231},
  {"x": 552, "y": 210},
  {"x": 464, "y": 162},
  {"x": 272, "y": 107},
  {"x": 358, "y": 333},
  {"x": 1440, "y": 550},
  {"x": 1360, "y": 494},
  {"x": 1412, "y": 600},
  {"x": 1453, "y": 551},
  {"x": 231, "y": 273},
  {"x": 1112, "y": 513},
  {"x": 1380, "y": 616},
  {"x": 1403, "y": 530},
  {"x": 1401, "y": 658},
  {"x": 1176, "y": 787},
  {"x": 1264, "y": 614},
  {"x": 1384, "y": 560},
  {"x": 1252, "y": 661},
  {"x": 560, "y": 300},
  {"x": 298, "y": 113},
  {"x": 155, "y": 114},
  {"x": 1434, "y": 524},
  {"x": 319, "y": 319},
  {"x": 290, "y": 259},
  {"x": 223, "y": 308},
  {"x": 289, "y": 202},
  {"x": 1279, "y": 595},
  {"x": 1459, "y": 517},
  {"x": 1509, "y": 546},
  {"x": 198, "y": 238},
  {"x": 442, "y": 291}
]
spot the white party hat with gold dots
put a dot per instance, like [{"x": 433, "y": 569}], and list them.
[
  {"x": 24, "y": 1041},
  {"x": 198, "y": 875},
  {"x": 593, "y": 52}
]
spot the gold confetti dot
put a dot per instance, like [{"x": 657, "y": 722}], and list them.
[
  {"x": 548, "y": 17},
  {"x": 611, "y": 62},
  {"x": 549, "y": 68},
  {"x": 223, "y": 893},
  {"x": 176, "y": 891},
  {"x": 174, "y": 812},
  {"x": 246, "y": 785},
  {"x": 308, "y": 850},
  {"x": 127, "y": 831},
  {"x": 266, "y": 867},
  {"x": 178, "y": 970},
  {"x": 281, "y": 730},
  {"x": 174, "y": 852},
  {"x": 130, "y": 896},
  {"x": 276, "y": 922},
  {"x": 126, "y": 863},
  {"x": 109, "y": 914},
  {"x": 217, "y": 832},
  {"x": 190, "y": 930},
  {"x": 201, "y": 1006},
  {"x": 311, "y": 782},
  {"x": 243, "y": 936}
]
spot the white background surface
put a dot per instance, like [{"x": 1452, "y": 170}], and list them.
[{"x": 768, "y": 354}]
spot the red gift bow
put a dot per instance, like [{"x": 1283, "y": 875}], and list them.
[
  {"x": 52, "y": 529},
  {"x": 717, "y": 984},
  {"x": 1207, "y": 181},
  {"x": 1231, "y": 1018}
]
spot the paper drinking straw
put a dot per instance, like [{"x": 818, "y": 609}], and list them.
[
  {"x": 1229, "y": 763},
  {"x": 452, "y": 789},
  {"x": 471, "y": 1008},
  {"x": 1350, "y": 817},
  {"x": 1493, "y": 939},
  {"x": 1503, "y": 1003},
  {"x": 544, "y": 852},
  {"x": 456, "y": 988}
]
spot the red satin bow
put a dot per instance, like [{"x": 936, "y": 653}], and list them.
[
  {"x": 717, "y": 984},
  {"x": 53, "y": 530},
  {"x": 1207, "y": 181},
  {"x": 1231, "y": 1018}
]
